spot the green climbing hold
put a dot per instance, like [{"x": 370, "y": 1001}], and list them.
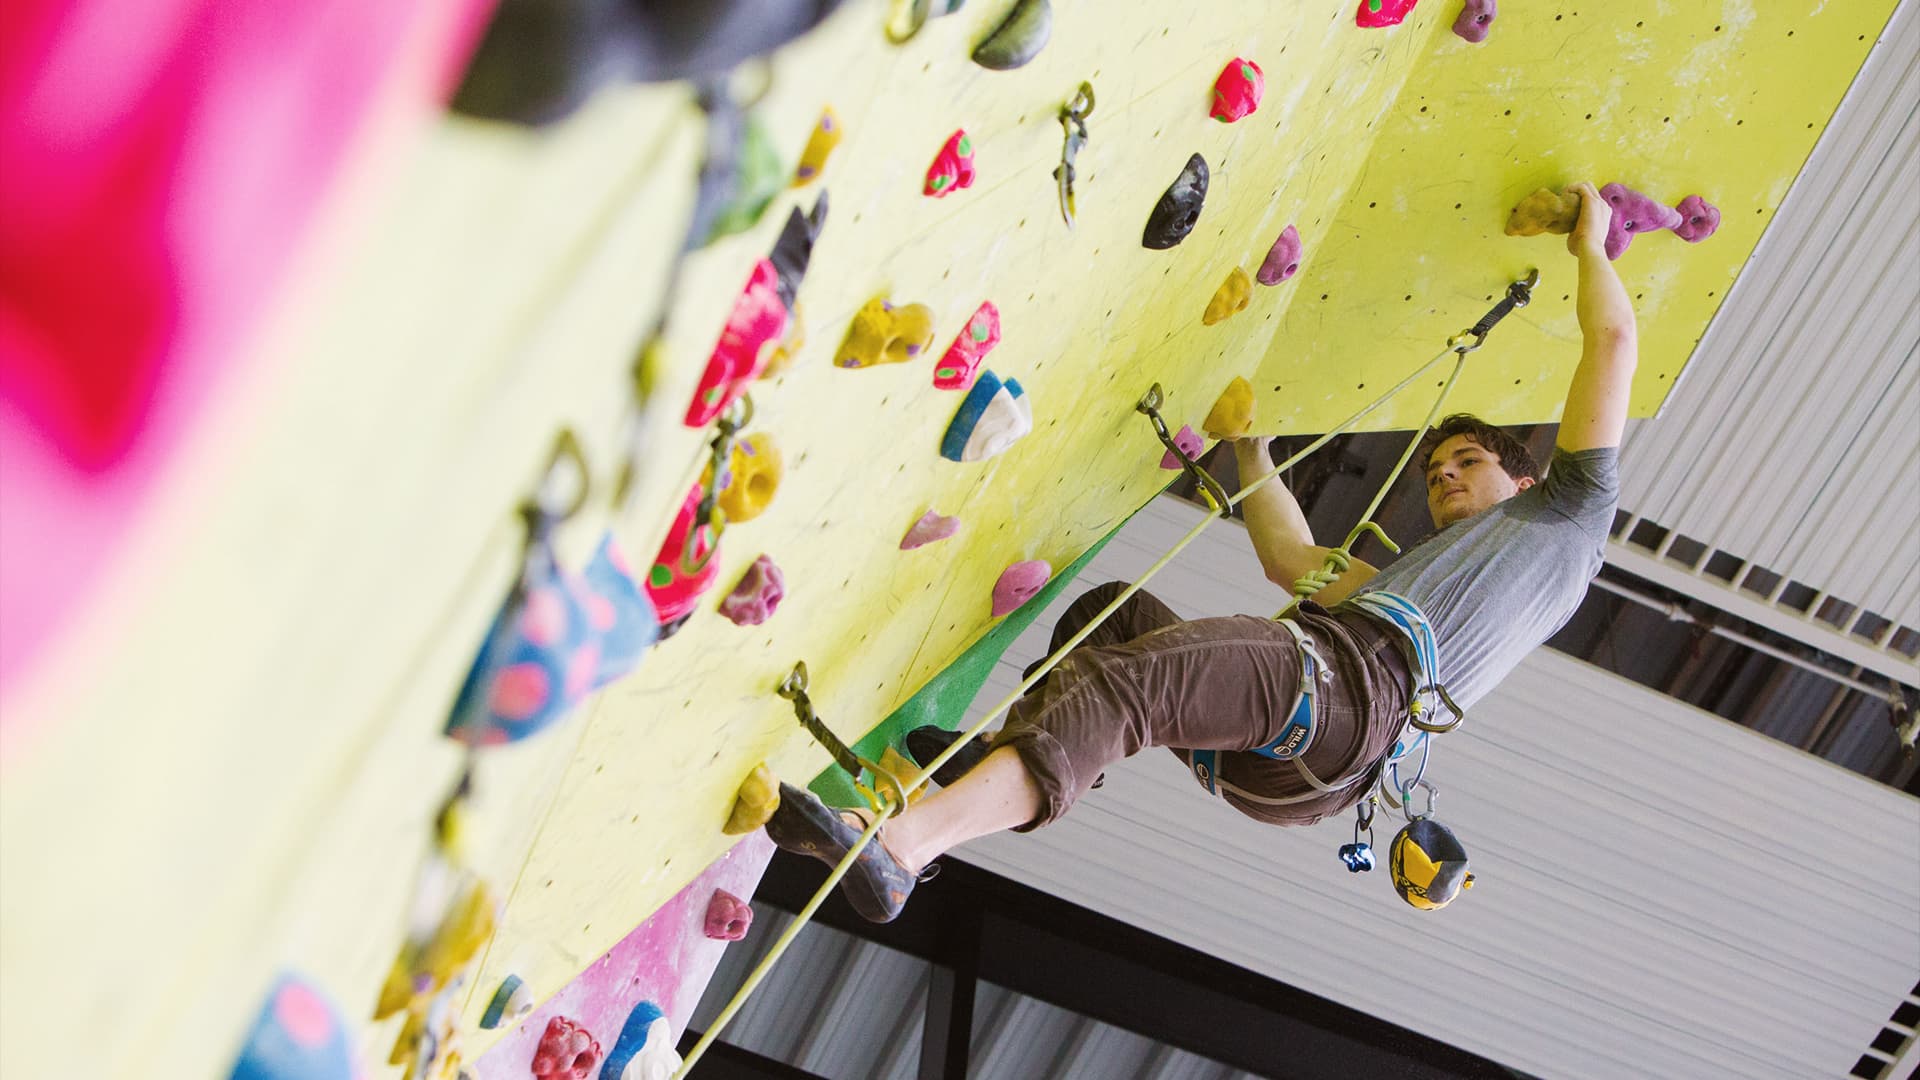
[
  {"x": 759, "y": 177},
  {"x": 660, "y": 576},
  {"x": 1019, "y": 37}
]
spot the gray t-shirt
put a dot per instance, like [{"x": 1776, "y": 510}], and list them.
[{"x": 1499, "y": 583}]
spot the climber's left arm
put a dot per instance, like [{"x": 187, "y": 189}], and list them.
[{"x": 1596, "y": 409}]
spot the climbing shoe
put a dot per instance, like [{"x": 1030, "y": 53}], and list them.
[{"x": 876, "y": 886}]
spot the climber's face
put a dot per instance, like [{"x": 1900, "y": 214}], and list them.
[{"x": 1464, "y": 478}]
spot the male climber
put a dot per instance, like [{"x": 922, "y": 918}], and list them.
[{"x": 1510, "y": 563}]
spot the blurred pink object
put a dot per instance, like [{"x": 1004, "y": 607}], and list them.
[{"x": 162, "y": 160}]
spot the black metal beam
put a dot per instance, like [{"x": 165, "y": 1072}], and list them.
[
  {"x": 947, "y": 1038},
  {"x": 724, "y": 1061},
  {"x": 1107, "y": 970}
]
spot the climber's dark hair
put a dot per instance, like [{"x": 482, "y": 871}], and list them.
[{"x": 1514, "y": 456}]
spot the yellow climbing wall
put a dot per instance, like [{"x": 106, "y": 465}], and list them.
[{"x": 238, "y": 749}]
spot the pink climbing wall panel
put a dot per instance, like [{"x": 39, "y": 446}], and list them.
[{"x": 666, "y": 960}]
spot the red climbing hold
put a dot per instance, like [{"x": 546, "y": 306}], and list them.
[
  {"x": 952, "y": 169},
  {"x": 728, "y": 916},
  {"x": 1018, "y": 584},
  {"x": 1699, "y": 219},
  {"x": 670, "y": 585},
  {"x": 1383, "y": 12},
  {"x": 1189, "y": 443},
  {"x": 1476, "y": 20},
  {"x": 566, "y": 1052},
  {"x": 759, "y": 318},
  {"x": 1236, "y": 93},
  {"x": 976, "y": 339},
  {"x": 753, "y": 601},
  {"x": 1634, "y": 213}
]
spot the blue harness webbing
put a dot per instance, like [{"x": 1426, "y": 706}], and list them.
[{"x": 1296, "y": 735}]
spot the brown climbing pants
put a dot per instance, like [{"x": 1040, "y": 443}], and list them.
[{"x": 1145, "y": 677}]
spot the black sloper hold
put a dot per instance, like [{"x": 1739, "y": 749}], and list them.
[
  {"x": 794, "y": 249},
  {"x": 1178, "y": 210}
]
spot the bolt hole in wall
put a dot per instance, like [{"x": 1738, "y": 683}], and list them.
[{"x": 1638, "y": 642}]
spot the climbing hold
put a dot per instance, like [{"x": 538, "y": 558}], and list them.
[
  {"x": 1428, "y": 864},
  {"x": 820, "y": 145},
  {"x": 908, "y": 16},
  {"x": 1634, "y": 213},
  {"x": 618, "y": 613},
  {"x": 994, "y": 416},
  {"x": 511, "y": 1002},
  {"x": 673, "y": 587},
  {"x": 1019, "y": 37},
  {"x": 759, "y": 318},
  {"x": 1230, "y": 298},
  {"x": 1189, "y": 443},
  {"x": 645, "y": 1049},
  {"x": 1699, "y": 219},
  {"x": 1236, "y": 93},
  {"x": 1018, "y": 584},
  {"x": 757, "y": 799},
  {"x": 566, "y": 1052},
  {"x": 1475, "y": 20},
  {"x": 1375, "y": 13},
  {"x": 931, "y": 527},
  {"x": 760, "y": 591},
  {"x": 297, "y": 1036},
  {"x": 884, "y": 334},
  {"x": 753, "y": 477},
  {"x": 793, "y": 249},
  {"x": 758, "y": 177},
  {"x": 728, "y": 916},
  {"x": 434, "y": 961},
  {"x": 1178, "y": 210},
  {"x": 1232, "y": 415},
  {"x": 971, "y": 346},
  {"x": 952, "y": 167},
  {"x": 1283, "y": 259},
  {"x": 1544, "y": 211}
]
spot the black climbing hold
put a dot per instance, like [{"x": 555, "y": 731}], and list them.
[
  {"x": 794, "y": 249},
  {"x": 1178, "y": 210},
  {"x": 1019, "y": 37}
]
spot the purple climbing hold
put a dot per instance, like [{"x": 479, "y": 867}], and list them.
[
  {"x": 1018, "y": 584},
  {"x": 753, "y": 601},
  {"x": 1189, "y": 444},
  {"x": 931, "y": 528},
  {"x": 1283, "y": 260},
  {"x": 728, "y": 916},
  {"x": 1699, "y": 219},
  {"x": 1634, "y": 213},
  {"x": 1476, "y": 20}
]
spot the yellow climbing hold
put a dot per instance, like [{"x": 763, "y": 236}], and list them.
[
  {"x": 1230, "y": 299},
  {"x": 756, "y": 469},
  {"x": 1544, "y": 211},
  {"x": 758, "y": 798},
  {"x": 1232, "y": 415},
  {"x": 813, "y": 160},
  {"x": 884, "y": 334}
]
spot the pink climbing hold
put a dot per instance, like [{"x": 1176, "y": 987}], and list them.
[
  {"x": 753, "y": 601},
  {"x": 728, "y": 917},
  {"x": 931, "y": 528},
  {"x": 1188, "y": 442},
  {"x": 1634, "y": 213},
  {"x": 566, "y": 1052},
  {"x": 758, "y": 320},
  {"x": 1237, "y": 92},
  {"x": 1374, "y": 13},
  {"x": 963, "y": 358},
  {"x": 1283, "y": 259},
  {"x": 1699, "y": 219},
  {"x": 952, "y": 169},
  {"x": 1476, "y": 20},
  {"x": 1018, "y": 584}
]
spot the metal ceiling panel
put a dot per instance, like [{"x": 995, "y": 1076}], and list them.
[
  {"x": 1793, "y": 440},
  {"x": 1661, "y": 892}
]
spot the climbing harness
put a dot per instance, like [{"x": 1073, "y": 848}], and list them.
[{"x": 1425, "y": 853}]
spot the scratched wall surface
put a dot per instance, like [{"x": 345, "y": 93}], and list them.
[{"x": 241, "y": 750}]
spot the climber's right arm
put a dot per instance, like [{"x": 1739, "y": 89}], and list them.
[{"x": 1279, "y": 531}]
